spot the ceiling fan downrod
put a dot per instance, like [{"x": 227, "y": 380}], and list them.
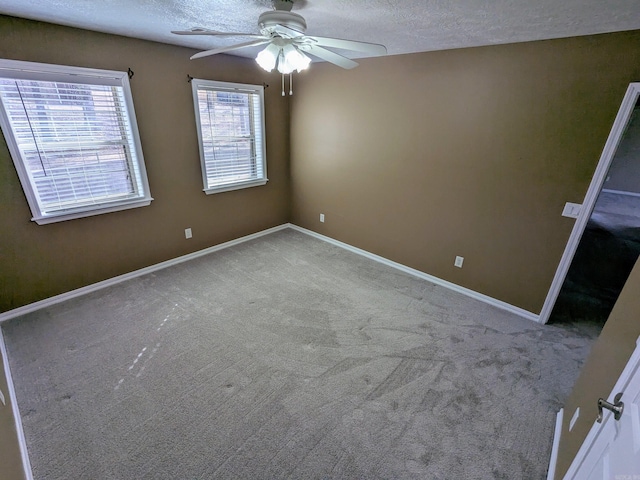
[{"x": 282, "y": 5}]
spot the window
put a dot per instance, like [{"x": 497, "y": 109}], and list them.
[
  {"x": 230, "y": 122},
  {"x": 73, "y": 137}
]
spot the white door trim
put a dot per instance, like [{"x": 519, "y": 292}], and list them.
[
  {"x": 13, "y": 401},
  {"x": 553, "y": 460},
  {"x": 619, "y": 125},
  {"x": 621, "y": 385}
]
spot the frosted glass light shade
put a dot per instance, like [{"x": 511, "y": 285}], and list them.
[
  {"x": 268, "y": 57},
  {"x": 295, "y": 59}
]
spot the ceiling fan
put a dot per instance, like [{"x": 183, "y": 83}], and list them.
[{"x": 287, "y": 45}]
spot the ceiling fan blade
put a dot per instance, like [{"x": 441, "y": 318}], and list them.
[
  {"x": 287, "y": 32},
  {"x": 214, "y": 51},
  {"x": 204, "y": 31},
  {"x": 366, "y": 47},
  {"x": 332, "y": 57}
]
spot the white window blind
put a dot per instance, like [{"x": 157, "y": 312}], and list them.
[
  {"x": 230, "y": 125},
  {"x": 73, "y": 138}
]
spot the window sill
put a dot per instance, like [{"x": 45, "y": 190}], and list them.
[
  {"x": 71, "y": 215},
  {"x": 236, "y": 186}
]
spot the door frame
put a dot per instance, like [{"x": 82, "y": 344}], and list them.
[{"x": 608, "y": 152}]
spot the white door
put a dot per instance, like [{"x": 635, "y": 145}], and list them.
[{"x": 611, "y": 450}]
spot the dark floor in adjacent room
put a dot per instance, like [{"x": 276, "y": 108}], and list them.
[{"x": 605, "y": 256}]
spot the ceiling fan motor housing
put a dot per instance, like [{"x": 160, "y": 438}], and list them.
[{"x": 269, "y": 20}]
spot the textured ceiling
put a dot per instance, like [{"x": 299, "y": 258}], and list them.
[{"x": 402, "y": 26}]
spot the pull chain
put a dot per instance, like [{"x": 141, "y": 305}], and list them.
[{"x": 290, "y": 84}]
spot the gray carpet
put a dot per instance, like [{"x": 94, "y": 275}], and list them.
[{"x": 287, "y": 357}]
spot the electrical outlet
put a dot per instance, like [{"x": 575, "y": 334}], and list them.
[
  {"x": 322, "y": 217},
  {"x": 458, "y": 262},
  {"x": 187, "y": 233}
]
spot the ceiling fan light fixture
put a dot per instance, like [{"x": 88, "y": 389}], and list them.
[
  {"x": 287, "y": 44},
  {"x": 287, "y": 58}
]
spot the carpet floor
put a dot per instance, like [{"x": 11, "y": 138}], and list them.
[{"x": 288, "y": 357}]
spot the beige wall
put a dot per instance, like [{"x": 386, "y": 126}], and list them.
[
  {"x": 607, "y": 359},
  {"x": 472, "y": 152},
  {"x": 38, "y": 261}
]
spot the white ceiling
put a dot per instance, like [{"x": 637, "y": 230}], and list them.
[{"x": 402, "y": 26}]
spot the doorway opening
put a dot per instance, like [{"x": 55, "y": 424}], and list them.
[
  {"x": 605, "y": 241},
  {"x": 605, "y": 256}
]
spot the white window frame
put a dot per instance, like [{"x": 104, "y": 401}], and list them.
[
  {"x": 257, "y": 133},
  {"x": 20, "y": 70}
]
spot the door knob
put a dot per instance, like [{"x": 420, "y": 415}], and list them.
[{"x": 616, "y": 407}]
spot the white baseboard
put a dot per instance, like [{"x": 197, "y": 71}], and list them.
[
  {"x": 425, "y": 276},
  {"x": 32, "y": 307},
  {"x": 551, "y": 473},
  {"x": 26, "y": 464}
]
